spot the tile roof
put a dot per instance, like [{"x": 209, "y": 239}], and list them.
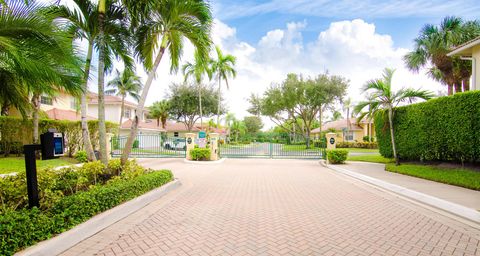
[
  {"x": 61, "y": 114},
  {"x": 340, "y": 125}
]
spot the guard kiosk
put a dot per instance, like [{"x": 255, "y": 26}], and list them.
[{"x": 53, "y": 144}]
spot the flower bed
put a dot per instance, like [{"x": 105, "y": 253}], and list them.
[{"x": 68, "y": 198}]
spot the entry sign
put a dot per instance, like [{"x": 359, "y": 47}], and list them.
[
  {"x": 202, "y": 135},
  {"x": 332, "y": 141},
  {"x": 202, "y": 139}
]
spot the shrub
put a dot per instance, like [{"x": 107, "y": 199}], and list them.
[
  {"x": 441, "y": 129},
  {"x": 200, "y": 154},
  {"x": 370, "y": 145},
  {"x": 22, "y": 228},
  {"x": 367, "y": 139},
  {"x": 136, "y": 144},
  {"x": 337, "y": 156},
  {"x": 81, "y": 156}
]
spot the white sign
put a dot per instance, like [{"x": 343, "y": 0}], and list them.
[{"x": 202, "y": 142}]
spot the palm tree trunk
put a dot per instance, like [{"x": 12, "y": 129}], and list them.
[
  {"x": 466, "y": 84},
  {"x": 122, "y": 110},
  {"x": 450, "y": 89},
  {"x": 102, "y": 130},
  {"x": 458, "y": 87},
  {"x": 87, "y": 144},
  {"x": 36, "y": 109},
  {"x": 370, "y": 133},
  {"x": 219, "y": 99},
  {"x": 139, "y": 111},
  {"x": 392, "y": 135},
  {"x": 200, "y": 105}
]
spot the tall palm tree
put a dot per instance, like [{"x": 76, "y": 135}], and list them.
[
  {"x": 83, "y": 22},
  {"x": 367, "y": 110},
  {"x": 196, "y": 71},
  {"x": 164, "y": 28},
  {"x": 383, "y": 97},
  {"x": 37, "y": 58},
  {"x": 125, "y": 84},
  {"x": 160, "y": 110},
  {"x": 223, "y": 67},
  {"x": 432, "y": 46}
]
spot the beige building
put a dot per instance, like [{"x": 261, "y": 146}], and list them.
[
  {"x": 354, "y": 133},
  {"x": 470, "y": 51}
]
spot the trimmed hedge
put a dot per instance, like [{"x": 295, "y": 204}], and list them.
[
  {"x": 337, "y": 156},
  {"x": 441, "y": 129},
  {"x": 200, "y": 154},
  {"x": 370, "y": 145},
  {"x": 17, "y": 131},
  {"x": 22, "y": 228}
]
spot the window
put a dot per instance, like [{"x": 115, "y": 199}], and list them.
[
  {"x": 348, "y": 136},
  {"x": 45, "y": 100},
  {"x": 175, "y": 134},
  {"x": 127, "y": 113},
  {"x": 73, "y": 103}
]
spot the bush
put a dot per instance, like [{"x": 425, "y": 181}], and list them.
[
  {"x": 369, "y": 145},
  {"x": 81, "y": 156},
  {"x": 22, "y": 228},
  {"x": 367, "y": 139},
  {"x": 441, "y": 129},
  {"x": 136, "y": 143},
  {"x": 17, "y": 131},
  {"x": 200, "y": 154},
  {"x": 337, "y": 156}
]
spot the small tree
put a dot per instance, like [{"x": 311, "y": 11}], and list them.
[
  {"x": 125, "y": 84},
  {"x": 253, "y": 124},
  {"x": 301, "y": 99},
  {"x": 184, "y": 105},
  {"x": 382, "y": 96},
  {"x": 160, "y": 110}
]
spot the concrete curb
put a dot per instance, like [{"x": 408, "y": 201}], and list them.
[
  {"x": 68, "y": 239},
  {"x": 204, "y": 162},
  {"x": 453, "y": 208}
]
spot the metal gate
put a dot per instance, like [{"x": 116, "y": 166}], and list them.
[
  {"x": 151, "y": 145},
  {"x": 274, "y": 146}
]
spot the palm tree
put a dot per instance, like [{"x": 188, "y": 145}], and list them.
[
  {"x": 197, "y": 70},
  {"x": 347, "y": 105},
  {"x": 123, "y": 85},
  {"x": 83, "y": 22},
  {"x": 432, "y": 46},
  {"x": 367, "y": 110},
  {"x": 382, "y": 96},
  {"x": 159, "y": 110},
  {"x": 336, "y": 115},
  {"x": 224, "y": 68},
  {"x": 163, "y": 29},
  {"x": 37, "y": 58}
]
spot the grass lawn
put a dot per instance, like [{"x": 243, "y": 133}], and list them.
[
  {"x": 361, "y": 150},
  {"x": 17, "y": 164},
  {"x": 371, "y": 158},
  {"x": 453, "y": 176}
]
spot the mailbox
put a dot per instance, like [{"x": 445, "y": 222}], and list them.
[{"x": 52, "y": 144}]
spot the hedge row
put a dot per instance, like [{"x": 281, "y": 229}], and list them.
[
  {"x": 22, "y": 228},
  {"x": 370, "y": 145},
  {"x": 16, "y": 131},
  {"x": 441, "y": 129}
]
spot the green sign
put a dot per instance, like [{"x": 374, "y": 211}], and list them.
[{"x": 202, "y": 135}]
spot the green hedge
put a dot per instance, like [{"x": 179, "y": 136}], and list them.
[
  {"x": 337, "y": 156},
  {"x": 370, "y": 145},
  {"x": 200, "y": 154},
  {"x": 441, "y": 129},
  {"x": 16, "y": 131},
  {"x": 22, "y": 228}
]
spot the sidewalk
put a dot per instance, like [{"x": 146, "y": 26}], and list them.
[{"x": 462, "y": 196}]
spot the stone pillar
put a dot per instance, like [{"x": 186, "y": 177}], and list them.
[
  {"x": 214, "y": 146},
  {"x": 109, "y": 145},
  {"x": 190, "y": 142},
  {"x": 331, "y": 140}
]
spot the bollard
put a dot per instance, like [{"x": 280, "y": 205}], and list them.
[{"x": 31, "y": 169}]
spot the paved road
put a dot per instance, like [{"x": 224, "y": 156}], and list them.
[
  {"x": 266, "y": 149},
  {"x": 278, "y": 207}
]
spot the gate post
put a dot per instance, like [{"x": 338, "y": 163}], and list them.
[
  {"x": 331, "y": 141},
  {"x": 190, "y": 142},
  {"x": 214, "y": 146}
]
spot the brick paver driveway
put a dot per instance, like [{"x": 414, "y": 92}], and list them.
[{"x": 279, "y": 207}]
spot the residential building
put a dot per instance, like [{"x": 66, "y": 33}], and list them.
[
  {"x": 351, "y": 131},
  {"x": 470, "y": 51}
]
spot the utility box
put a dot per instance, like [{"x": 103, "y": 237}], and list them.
[{"x": 53, "y": 144}]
